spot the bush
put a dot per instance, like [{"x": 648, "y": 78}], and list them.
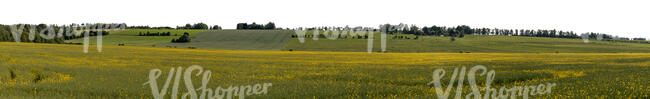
[
  {"x": 155, "y": 34},
  {"x": 90, "y": 33},
  {"x": 183, "y": 39}
]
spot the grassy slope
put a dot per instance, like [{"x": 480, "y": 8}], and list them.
[
  {"x": 277, "y": 40},
  {"x": 238, "y": 39},
  {"x": 471, "y": 43},
  {"x": 130, "y": 37},
  {"x": 120, "y": 71}
]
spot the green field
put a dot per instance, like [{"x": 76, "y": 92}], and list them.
[
  {"x": 130, "y": 37},
  {"x": 29, "y": 70},
  {"x": 279, "y": 40},
  {"x": 323, "y": 68},
  {"x": 237, "y": 39},
  {"x": 471, "y": 43}
]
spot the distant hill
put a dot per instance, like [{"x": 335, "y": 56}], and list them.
[
  {"x": 281, "y": 40},
  {"x": 237, "y": 40},
  {"x": 471, "y": 43},
  {"x": 129, "y": 37}
]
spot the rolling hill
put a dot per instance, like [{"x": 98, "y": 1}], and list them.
[
  {"x": 237, "y": 39},
  {"x": 280, "y": 40},
  {"x": 471, "y": 43},
  {"x": 31, "y": 70}
]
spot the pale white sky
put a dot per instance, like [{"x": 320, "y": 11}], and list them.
[{"x": 627, "y": 18}]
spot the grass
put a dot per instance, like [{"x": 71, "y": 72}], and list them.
[
  {"x": 471, "y": 43},
  {"x": 279, "y": 40},
  {"x": 129, "y": 37},
  {"x": 119, "y": 71},
  {"x": 237, "y": 39}
]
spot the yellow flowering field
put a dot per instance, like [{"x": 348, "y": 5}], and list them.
[{"x": 30, "y": 70}]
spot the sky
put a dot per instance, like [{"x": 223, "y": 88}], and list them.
[{"x": 627, "y": 18}]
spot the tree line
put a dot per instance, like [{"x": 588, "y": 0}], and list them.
[
  {"x": 461, "y": 30},
  {"x": 90, "y": 33},
  {"x": 201, "y": 25},
  {"x": 42, "y": 33},
  {"x": 340, "y": 35},
  {"x": 194, "y": 26},
  {"x": 246, "y": 26},
  {"x": 147, "y": 27},
  {"x": 154, "y": 34}
]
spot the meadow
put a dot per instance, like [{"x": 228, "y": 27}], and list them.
[
  {"x": 237, "y": 40},
  {"x": 29, "y": 70},
  {"x": 469, "y": 43},
  {"x": 129, "y": 37},
  {"x": 280, "y": 40}
]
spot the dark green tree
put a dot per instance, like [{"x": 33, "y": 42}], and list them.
[
  {"x": 200, "y": 26},
  {"x": 183, "y": 39},
  {"x": 269, "y": 26},
  {"x": 216, "y": 27},
  {"x": 241, "y": 26}
]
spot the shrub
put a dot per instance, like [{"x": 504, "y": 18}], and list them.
[{"x": 183, "y": 39}]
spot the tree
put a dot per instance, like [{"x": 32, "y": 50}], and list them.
[
  {"x": 187, "y": 26},
  {"x": 183, "y": 39},
  {"x": 426, "y": 30},
  {"x": 405, "y": 28},
  {"x": 200, "y": 26},
  {"x": 464, "y": 29},
  {"x": 254, "y": 25},
  {"x": 638, "y": 38},
  {"x": 452, "y": 33},
  {"x": 4, "y": 34},
  {"x": 241, "y": 26},
  {"x": 216, "y": 27},
  {"x": 269, "y": 26},
  {"x": 414, "y": 30}
]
